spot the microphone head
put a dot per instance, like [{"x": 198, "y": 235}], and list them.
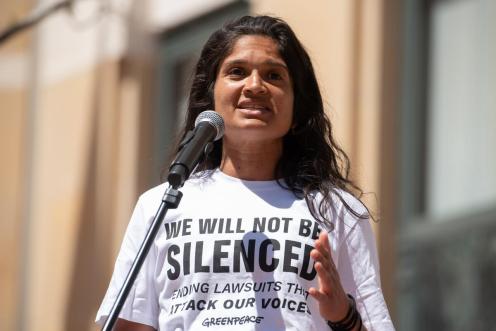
[{"x": 214, "y": 119}]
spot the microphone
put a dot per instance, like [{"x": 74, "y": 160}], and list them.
[{"x": 209, "y": 127}]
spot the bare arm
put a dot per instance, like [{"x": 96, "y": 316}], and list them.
[{"x": 125, "y": 325}]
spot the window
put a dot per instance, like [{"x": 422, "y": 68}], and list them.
[{"x": 461, "y": 116}]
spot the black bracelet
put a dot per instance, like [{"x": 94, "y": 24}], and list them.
[{"x": 350, "y": 320}]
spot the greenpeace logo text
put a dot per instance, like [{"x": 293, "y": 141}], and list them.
[{"x": 213, "y": 321}]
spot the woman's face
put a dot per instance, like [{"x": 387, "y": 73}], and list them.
[{"x": 253, "y": 92}]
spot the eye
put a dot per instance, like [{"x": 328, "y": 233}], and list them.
[
  {"x": 236, "y": 72},
  {"x": 274, "y": 76}
]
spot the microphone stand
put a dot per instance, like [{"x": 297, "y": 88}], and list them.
[{"x": 170, "y": 200}]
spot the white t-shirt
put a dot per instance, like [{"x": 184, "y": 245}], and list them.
[{"x": 235, "y": 254}]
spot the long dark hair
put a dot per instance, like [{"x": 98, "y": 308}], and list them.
[{"x": 311, "y": 160}]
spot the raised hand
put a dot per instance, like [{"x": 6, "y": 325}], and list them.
[{"x": 333, "y": 302}]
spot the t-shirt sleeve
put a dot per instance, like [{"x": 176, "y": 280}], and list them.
[
  {"x": 359, "y": 272},
  {"x": 141, "y": 305}
]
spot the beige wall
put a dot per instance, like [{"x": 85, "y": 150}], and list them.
[
  {"x": 50, "y": 233},
  {"x": 83, "y": 185},
  {"x": 68, "y": 115},
  {"x": 13, "y": 110},
  {"x": 63, "y": 137},
  {"x": 12, "y": 115}
]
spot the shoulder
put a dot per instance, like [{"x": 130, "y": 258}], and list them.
[
  {"x": 344, "y": 212},
  {"x": 342, "y": 203},
  {"x": 349, "y": 203}
]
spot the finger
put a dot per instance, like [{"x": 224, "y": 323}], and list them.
[
  {"x": 323, "y": 254},
  {"x": 319, "y": 257},
  {"x": 328, "y": 275},
  {"x": 320, "y": 246},
  {"x": 324, "y": 239},
  {"x": 324, "y": 245},
  {"x": 325, "y": 279},
  {"x": 316, "y": 294}
]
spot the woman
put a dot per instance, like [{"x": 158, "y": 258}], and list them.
[{"x": 268, "y": 235}]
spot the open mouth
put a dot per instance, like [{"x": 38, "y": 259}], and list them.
[{"x": 253, "y": 107}]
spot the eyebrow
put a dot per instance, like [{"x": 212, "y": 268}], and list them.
[{"x": 266, "y": 62}]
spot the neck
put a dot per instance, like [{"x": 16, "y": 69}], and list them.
[{"x": 251, "y": 161}]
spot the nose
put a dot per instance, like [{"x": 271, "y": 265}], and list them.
[{"x": 255, "y": 84}]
